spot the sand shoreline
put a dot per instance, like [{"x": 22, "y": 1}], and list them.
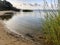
[
  {"x": 14, "y": 39},
  {"x": 7, "y": 39}
]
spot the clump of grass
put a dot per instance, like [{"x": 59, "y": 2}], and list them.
[{"x": 51, "y": 29}]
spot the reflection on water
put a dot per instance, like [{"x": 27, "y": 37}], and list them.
[{"x": 25, "y": 22}]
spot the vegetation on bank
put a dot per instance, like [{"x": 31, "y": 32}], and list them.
[
  {"x": 5, "y": 5},
  {"x": 51, "y": 29}
]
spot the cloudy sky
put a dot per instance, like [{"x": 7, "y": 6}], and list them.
[
  {"x": 32, "y": 1},
  {"x": 16, "y": 3}
]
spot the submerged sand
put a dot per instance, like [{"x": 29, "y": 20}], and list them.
[
  {"x": 7, "y": 39},
  {"x": 10, "y": 39}
]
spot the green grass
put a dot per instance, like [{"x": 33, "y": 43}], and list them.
[{"x": 51, "y": 29}]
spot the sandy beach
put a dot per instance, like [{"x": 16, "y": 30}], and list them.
[{"x": 7, "y": 39}]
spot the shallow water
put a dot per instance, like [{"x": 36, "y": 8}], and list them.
[{"x": 25, "y": 22}]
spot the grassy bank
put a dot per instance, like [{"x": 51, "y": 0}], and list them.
[{"x": 51, "y": 29}]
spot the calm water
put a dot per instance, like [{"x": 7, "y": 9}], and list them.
[{"x": 25, "y": 22}]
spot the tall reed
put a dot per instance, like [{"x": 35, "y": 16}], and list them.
[{"x": 51, "y": 29}]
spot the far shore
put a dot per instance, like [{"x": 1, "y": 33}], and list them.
[{"x": 3, "y": 12}]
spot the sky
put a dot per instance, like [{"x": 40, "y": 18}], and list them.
[
  {"x": 31, "y": 1},
  {"x": 17, "y": 2}
]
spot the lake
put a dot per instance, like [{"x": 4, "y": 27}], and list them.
[{"x": 27, "y": 22}]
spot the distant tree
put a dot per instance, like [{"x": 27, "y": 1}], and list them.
[{"x": 4, "y": 1}]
